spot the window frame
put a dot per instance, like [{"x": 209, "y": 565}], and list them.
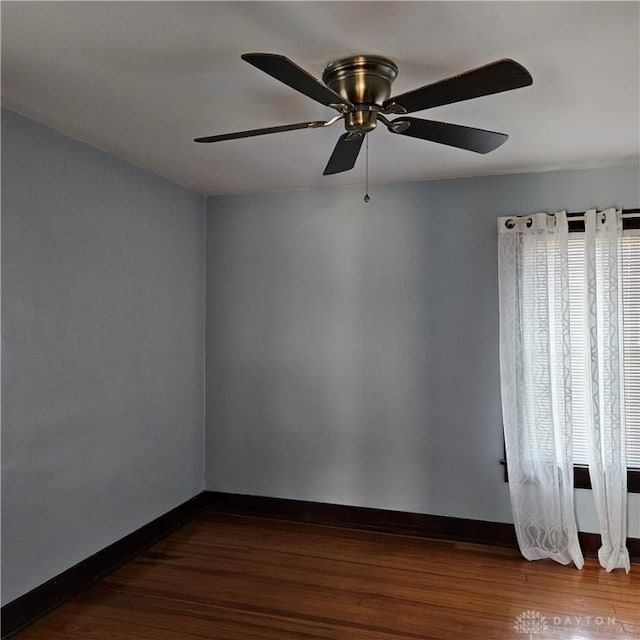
[{"x": 581, "y": 478}]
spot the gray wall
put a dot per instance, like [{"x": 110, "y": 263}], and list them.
[
  {"x": 103, "y": 343},
  {"x": 352, "y": 349}
]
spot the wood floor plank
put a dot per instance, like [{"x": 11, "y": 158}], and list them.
[{"x": 240, "y": 578}]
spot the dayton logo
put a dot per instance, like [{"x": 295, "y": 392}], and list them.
[{"x": 531, "y": 622}]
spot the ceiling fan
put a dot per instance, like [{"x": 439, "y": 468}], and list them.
[{"x": 358, "y": 88}]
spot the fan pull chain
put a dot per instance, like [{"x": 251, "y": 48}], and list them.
[{"x": 366, "y": 170}]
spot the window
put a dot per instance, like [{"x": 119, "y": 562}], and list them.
[
  {"x": 631, "y": 304},
  {"x": 630, "y": 278}
]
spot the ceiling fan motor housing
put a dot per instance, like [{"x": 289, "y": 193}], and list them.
[{"x": 364, "y": 81}]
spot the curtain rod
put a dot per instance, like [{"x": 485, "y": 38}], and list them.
[
  {"x": 631, "y": 220},
  {"x": 631, "y": 213},
  {"x": 576, "y": 216}
]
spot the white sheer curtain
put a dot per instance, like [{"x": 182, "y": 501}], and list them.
[
  {"x": 536, "y": 384},
  {"x": 605, "y": 382}
]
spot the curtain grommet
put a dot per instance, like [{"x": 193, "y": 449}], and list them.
[
  {"x": 529, "y": 222},
  {"x": 510, "y": 223}
]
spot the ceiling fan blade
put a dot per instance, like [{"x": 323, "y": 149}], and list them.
[
  {"x": 283, "y": 69},
  {"x": 453, "y": 135},
  {"x": 345, "y": 153},
  {"x": 261, "y": 132},
  {"x": 502, "y": 75}
]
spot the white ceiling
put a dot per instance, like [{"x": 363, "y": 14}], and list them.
[{"x": 142, "y": 79}]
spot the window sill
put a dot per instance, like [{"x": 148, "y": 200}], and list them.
[{"x": 581, "y": 479}]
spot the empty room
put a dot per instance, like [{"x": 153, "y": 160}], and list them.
[{"x": 320, "y": 320}]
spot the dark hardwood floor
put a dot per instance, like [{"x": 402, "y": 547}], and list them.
[{"x": 239, "y": 578}]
